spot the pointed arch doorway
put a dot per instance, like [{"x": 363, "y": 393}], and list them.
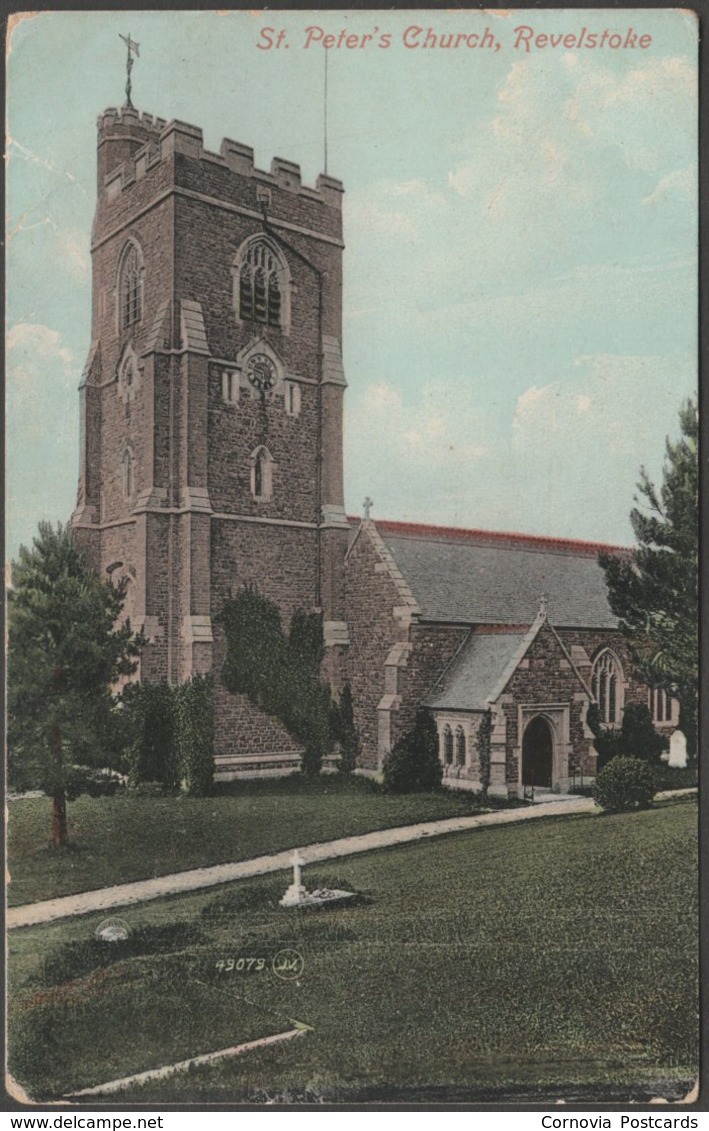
[{"x": 538, "y": 753}]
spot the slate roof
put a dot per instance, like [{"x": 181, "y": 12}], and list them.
[
  {"x": 475, "y": 672},
  {"x": 478, "y": 577}
]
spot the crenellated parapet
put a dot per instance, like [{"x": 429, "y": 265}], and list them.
[{"x": 131, "y": 143}]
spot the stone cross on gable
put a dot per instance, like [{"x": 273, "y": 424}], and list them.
[
  {"x": 367, "y": 504},
  {"x": 543, "y": 605}
]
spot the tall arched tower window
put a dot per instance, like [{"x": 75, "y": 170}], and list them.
[
  {"x": 130, "y": 285},
  {"x": 126, "y": 473},
  {"x": 261, "y": 284},
  {"x": 262, "y": 474},
  {"x": 607, "y": 685}
]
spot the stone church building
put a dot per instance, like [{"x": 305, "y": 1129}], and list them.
[{"x": 211, "y": 457}]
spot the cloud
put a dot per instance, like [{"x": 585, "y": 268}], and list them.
[
  {"x": 680, "y": 184},
  {"x": 642, "y": 112},
  {"x": 31, "y": 343},
  {"x": 568, "y": 151},
  {"x": 397, "y": 210},
  {"x": 565, "y": 463},
  {"x": 418, "y": 455},
  {"x": 432, "y": 430},
  {"x": 569, "y": 461},
  {"x": 600, "y": 411},
  {"x": 42, "y": 433},
  {"x": 74, "y": 253}
]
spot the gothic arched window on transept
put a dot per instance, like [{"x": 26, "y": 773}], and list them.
[
  {"x": 460, "y": 748},
  {"x": 607, "y": 685},
  {"x": 447, "y": 745}
]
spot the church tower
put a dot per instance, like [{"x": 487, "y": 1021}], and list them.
[{"x": 211, "y": 400}]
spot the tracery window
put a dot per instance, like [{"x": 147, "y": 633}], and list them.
[
  {"x": 130, "y": 285},
  {"x": 448, "y": 745},
  {"x": 260, "y": 285},
  {"x": 607, "y": 686},
  {"x": 460, "y": 746}
]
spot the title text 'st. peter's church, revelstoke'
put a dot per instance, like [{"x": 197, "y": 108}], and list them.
[{"x": 211, "y": 458}]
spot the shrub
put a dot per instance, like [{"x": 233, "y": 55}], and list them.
[
  {"x": 247, "y": 897},
  {"x": 413, "y": 764},
  {"x": 636, "y": 737},
  {"x": 96, "y": 783},
  {"x": 483, "y": 743},
  {"x": 345, "y": 732},
  {"x": 194, "y": 734},
  {"x": 675, "y": 777},
  {"x": 80, "y": 957},
  {"x": 149, "y": 723},
  {"x": 624, "y": 784},
  {"x": 639, "y": 739}
]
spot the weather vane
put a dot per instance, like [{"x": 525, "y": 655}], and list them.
[{"x": 133, "y": 47}]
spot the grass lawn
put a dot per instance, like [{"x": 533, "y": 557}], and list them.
[
  {"x": 556, "y": 957},
  {"x": 134, "y": 837}
]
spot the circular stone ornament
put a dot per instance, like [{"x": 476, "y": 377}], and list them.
[{"x": 113, "y": 930}]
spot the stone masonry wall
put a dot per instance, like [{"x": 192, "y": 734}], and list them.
[
  {"x": 371, "y": 597},
  {"x": 240, "y": 729},
  {"x": 597, "y": 640},
  {"x": 434, "y": 646},
  {"x": 278, "y": 561},
  {"x": 546, "y": 678}
]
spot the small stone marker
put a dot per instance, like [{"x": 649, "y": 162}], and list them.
[
  {"x": 297, "y": 895},
  {"x": 678, "y": 750}
]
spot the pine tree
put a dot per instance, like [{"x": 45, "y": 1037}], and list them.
[
  {"x": 65, "y": 651},
  {"x": 654, "y": 592}
]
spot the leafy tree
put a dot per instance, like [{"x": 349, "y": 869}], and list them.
[
  {"x": 65, "y": 651},
  {"x": 413, "y": 764},
  {"x": 654, "y": 592}
]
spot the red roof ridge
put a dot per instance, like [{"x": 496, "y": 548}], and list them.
[{"x": 539, "y": 541}]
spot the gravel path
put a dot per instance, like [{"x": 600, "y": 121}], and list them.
[{"x": 122, "y": 895}]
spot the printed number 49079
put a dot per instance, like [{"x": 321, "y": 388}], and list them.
[{"x": 241, "y": 965}]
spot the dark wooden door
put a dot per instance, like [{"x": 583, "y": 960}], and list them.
[{"x": 537, "y": 753}]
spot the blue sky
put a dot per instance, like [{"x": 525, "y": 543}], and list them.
[{"x": 520, "y": 299}]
